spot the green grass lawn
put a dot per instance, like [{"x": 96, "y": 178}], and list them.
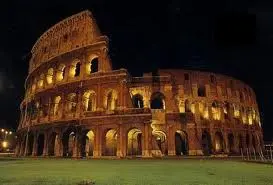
[{"x": 140, "y": 172}]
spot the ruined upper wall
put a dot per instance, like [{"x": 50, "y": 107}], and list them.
[{"x": 73, "y": 32}]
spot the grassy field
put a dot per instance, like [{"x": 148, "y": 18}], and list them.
[{"x": 140, "y": 172}]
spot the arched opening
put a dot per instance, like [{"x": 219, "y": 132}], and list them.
[
  {"x": 41, "y": 81},
  {"x": 216, "y": 111},
  {"x": 137, "y": 101},
  {"x": 181, "y": 143},
  {"x": 89, "y": 101},
  {"x": 134, "y": 142},
  {"x": 49, "y": 76},
  {"x": 187, "y": 106},
  {"x": 110, "y": 143},
  {"x": 157, "y": 101},
  {"x": 212, "y": 79},
  {"x": 77, "y": 69},
  {"x": 30, "y": 139},
  {"x": 68, "y": 142},
  {"x": 201, "y": 91},
  {"x": 61, "y": 72},
  {"x": 53, "y": 146},
  {"x": 231, "y": 143},
  {"x": 71, "y": 103},
  {"x": 40, "y": 148},
  {"x": 160, "y": 138},
  {"x": 111, "y": 100},
  {"x": 206, "y": 143},
  {"x": 94, "y": 67},
  {"x": 88, "y": 144},
  {"x": 56, "y": 103},
  {"x": 219, "y": 142}
]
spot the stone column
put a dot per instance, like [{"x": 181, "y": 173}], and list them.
[
  {"x": 194, "y": 140},
  {"x": 226, "y": 143},
  {"x": 76, "y": 150},
  {"x": 146, "y": 152},
  {"x": 35, "y": 145},
  {"x": 97, "y": 142},
  {"x": 59, "y": 148},
  {"x": 121, "y": 147},
  {"x": 236, "y": 148},
  {"x": 45, "y": 149},
  {"x": 171, "y": 140}
]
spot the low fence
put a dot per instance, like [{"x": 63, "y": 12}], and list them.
[{"x": 250, "y": 154}]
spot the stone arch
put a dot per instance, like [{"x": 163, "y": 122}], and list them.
[
  {"x": 216, "y": 110},
  {"x": 60, "y": 72},
  {"x": 89, "y": 100},
  {"x": 53, "y": 145},
  {"x": 89, "y": 145},
  {"x": 138, "y": 101},
  {"x": 75, "y": 68},
  {"x": 181, "y": 143},
  {"x": 110, "y": 99},
  {"x": 134, "y": 142},
  {"x": 187, "y": 106},
  {"x": 68, "y": 142},
  {"x": 159, "y": 141},
  {"x": 231, "y": 143},
  {"x": 241, "y": 94},
  {"x": 56, "y": 106},
  {"x": 206, "y": 143},
  {"x": 157, "y": 100},
  {"x": 41, "y": 81},
  {"x": 40, "y": 144},
  {"x": 219, "y": 142},
  {"x": 49, "y": 76},
  {"x": 92, "y": 66},
  {"x": 71, "y": 102},
  {"x": 212, "y": 79},
  {"x": 201, "y": 91},
  {"x": 110, "y": 143}
]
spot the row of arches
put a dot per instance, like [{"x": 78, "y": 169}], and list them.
[
  {"x": 71, "y": 143},
  {"x": 57, "y": 75}
]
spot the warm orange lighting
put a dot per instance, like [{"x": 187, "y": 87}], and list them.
[
  {"x": 2, "y": 130},
  {"x": 5, "y": 144},
  {"x": 10, "y": 132},
  {"x": 6, "y": 132}
]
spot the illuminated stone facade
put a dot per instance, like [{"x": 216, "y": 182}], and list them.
[{"x": 76, "y": 105}]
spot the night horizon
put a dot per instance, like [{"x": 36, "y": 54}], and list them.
[{"x": 234, "y": 43}]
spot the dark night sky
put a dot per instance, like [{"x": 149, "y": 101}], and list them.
[{"x": 233, "y": 37}]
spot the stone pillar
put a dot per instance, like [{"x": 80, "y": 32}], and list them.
[
  {"x": 194, "y": 140},
  {"x": 45, "y": 149},
  {"x": 76, "y": 150},
  {"x": 97, "y": 142},
  {"x": 122, "y": 142},
  {"x": 35, "y": 145},
  {"x": 146, "y": 152},
  {"x": 171, "y": 140},
  {"x": 79, "y": 104},
  {"x": 59, "y": 148},
  {"x": 226, "y": 143}
]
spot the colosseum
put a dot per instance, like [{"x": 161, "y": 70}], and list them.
[{"x": 76, "y": 105}]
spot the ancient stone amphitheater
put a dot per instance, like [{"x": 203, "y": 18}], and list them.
[{"x": 76, "y": 105}]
